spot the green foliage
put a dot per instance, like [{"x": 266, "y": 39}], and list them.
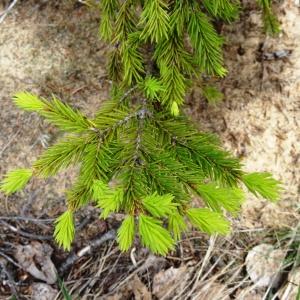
[
  {"x": 59, "y": 156},
  {"x": 132, "y": 60},
  {"x": 108, "y": 9},
  {"x": 224, "y": 9},
  {"x": 140, "y": 155},
  {"x": 126, "y": 233},
  {"x": 217, "y": 198},
  {"x": 172, "y": 59},
  {"x": 155, "y": 20},
  {"x": 108, "y": 199},
  {"x": 207, "y": 44},
  {"x": 28, "y": 101},
  {"x": 55, "y": 111},
  {"x": 263, "y": 184},
  {"x": 154, "y": 236},
  {"x": 152, "y": 87},
  {"x": 64, "y": 117},
  {"x": 65, "y": 230},
  {"x": 15, "y": 180},
  {"x": 159, "y": 206},
  {"x": 208, "y": 221},
  {"x": 66, "y": 294},
  {"x": 177, "y": 225},
  {"x": 146, "y": 164},
  {"x": 271, "y": 22},
  {"x": 158, "y": 29}
]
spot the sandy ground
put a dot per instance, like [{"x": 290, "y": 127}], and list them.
[
  {"x": 46, "y": 48},
  {"x": 52, "y": 47}
]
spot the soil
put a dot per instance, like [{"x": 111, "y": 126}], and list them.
[{"x": 52, "y": 47}]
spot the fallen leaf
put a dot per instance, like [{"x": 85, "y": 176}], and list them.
[{"x": 35, "y": 259}]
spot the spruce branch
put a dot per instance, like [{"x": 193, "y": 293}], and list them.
[
  {"x": 125, "y": 22},
  {"x": 55, "y": 111},
  {"x": 15, "y": 180},
  {"x": 177, "y": 225},
  {"x": 224, "y": 9},
  {"x": 140, "y": 155},
  {"x": 108, "y": 10},
  {"x": 208, "y": 221},
  {"x": 207, "y": 44},
  {"x": 213, "y": 161},
  {"x": 132, "y": 61},
  {"x": 154, "y": 236},
  {"x": 159, "y": 205},
  {"x": 263, "y": 184},
  {"x": 173, "y": 60},
  {"x": 218, "y": 198},
  {"x": 271, "y": 23},
  {"x": 78, "y": 195},
  {"x": 155, "y": 21},
  {"x": 29, "y": 102},
  {"x": 126, "y": 233},
  {"x": 61, "y": 155},
  {"x": 65, "y": 230}
]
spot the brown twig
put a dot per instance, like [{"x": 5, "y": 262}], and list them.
[
  {"x": 32, "y": 235},
  {"x": 10, "y": 260},
  {"x": 94, "y": 244},
  {"x": 26, "y": 219},
  {"x": 26, "y": 234}
]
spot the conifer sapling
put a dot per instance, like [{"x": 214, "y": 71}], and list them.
[{"x": 140, "y": 138}]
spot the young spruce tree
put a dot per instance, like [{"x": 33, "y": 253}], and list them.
[{"x": 140, "y": 155}]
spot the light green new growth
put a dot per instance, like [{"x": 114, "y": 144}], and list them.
[
  {"x": 15, "y": 180},
  {"x": 160, "y": 206},
  {"x": 154, "y": 236},
  {"x": 126, "y": 233},
  {"x": 208, "y": 221},
  {"x": 65, "y": 230},
  {"x": 177, "y": 225},
  {"x": 28, "y": 101},
  {"x": 139, "y": 155},
  {"x": 152, "y": 87},
  {"x": 219, "y": 197},
  {"x": 55, "y": 111},
  {"x": 263, "y": 184}
]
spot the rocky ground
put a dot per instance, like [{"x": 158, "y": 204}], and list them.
[{"x": 52, "y": 47}]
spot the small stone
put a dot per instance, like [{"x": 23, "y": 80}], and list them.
[
  {"x": 43, "y": 291},
  {"x": 263, "y": 264}
]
